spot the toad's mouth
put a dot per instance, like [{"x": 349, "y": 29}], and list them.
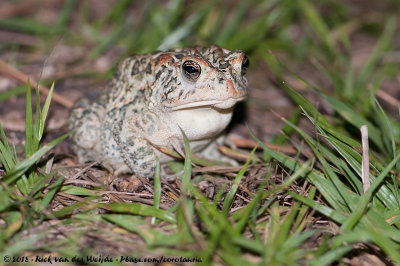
[{"x": 220, "y": 104}]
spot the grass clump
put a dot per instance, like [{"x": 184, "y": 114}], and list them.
[{"x": 21, "y": 193}]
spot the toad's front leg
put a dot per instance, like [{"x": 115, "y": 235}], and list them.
[{"x": 131, "y": 135}]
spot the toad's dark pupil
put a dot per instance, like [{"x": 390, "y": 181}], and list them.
[{"x": 190, "y": 69}]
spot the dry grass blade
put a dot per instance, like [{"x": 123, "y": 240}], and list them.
[
  {"x": 10, "y": 10},
  {"x": 388, "y": 98},
  {"x": 365, "y": 158},
  {"x": 217, "y": 169},
  {"x": 249, "y": 143}
]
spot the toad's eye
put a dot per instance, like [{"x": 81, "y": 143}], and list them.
[
  {"x": 245, "y": 65},
  {"x": 191, "y": 70}
]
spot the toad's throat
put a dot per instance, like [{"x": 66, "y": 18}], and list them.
[
  {"x": 199, "y": 123},
  {"x": 220, "y": 104}
]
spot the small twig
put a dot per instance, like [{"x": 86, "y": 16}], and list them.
[
  {"x": 81, "y": 182},
  {"x": 365, "y": 158},
  {"x": 249, "y": 143},
  {"x": 388, "y": 98},
  {"x": 217, "y": 169},
  {"x": 11, "y": 10},
  {"x": 49, "y": 165},
  {"x": 14, "y": 73},
  {"x": 80, "y": 172},
  {"x": 69, "y": 196}
]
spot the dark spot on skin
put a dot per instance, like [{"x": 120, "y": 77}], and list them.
[
  {"x": 135, "y": 68},
  {"x": 143, "y": 60},
  {"x": 171, "y": 89},
  {"x": 133, "y": 159},
  {"x": 162, "y": 70},
  {"x": 223, "y": 65},
  {"x": 179, "y": 56},
  {"x": 229, "y": 53},
  {"x": 146, "y": 165},
  {"x": 148, "y": 68},
  {"x": 158, "y": 75},
  {"x": 180, "y": 93},
  {"x": 150, "y": 117},
  {"x": 140, "y": 150},
  {"x": 111, "y": 113},
  {"x": 169, "y": 73},
  {"x": 172, "y": 80}
]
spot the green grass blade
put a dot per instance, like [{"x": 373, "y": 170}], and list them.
[
  {"x": 385, "y": 194},
  {"x": 7, "y": 158},
  {"x": 28, "y": 244},
  {"x": 325, "y": 210},
  {"x": 324, "y": 185},
  {"x": 29, "y": 123},
  {"x": 50, "y": 195},
  {"x": 355, "y": 119},
  {"x": 41, "y": 182},
  {"x": 232, "y": 26},
  {"x": 5, "y": 95},
  {"x": 78, "y": 191},
  {"x": 251, "y": 245},
  {"x": 383, "y": 43},
  {"x": 331, "y": 256},
  {"x": 353, "y": 219},
  {"x": 138, "y": 209},
  {"x": 23, "y": 166},
  {"x": 187, "y": 168},
  {"x": 157, "y": 189},
  {"x": 85, "y": 204},
  {"x": 322, "y": 122},
  {"x": 232, "y": 192},
  {"x": 293, "y": 243},
  {"x": 64, "y": 16},
  {"x": 337, "y": 193},
  {"x": 182, "y": 31},
  {"x": 25, "y": 25},
  {"x": 139, "y": 226},
  {"x": 387, "y": 125},
  {"x": 318, "y": 24},
  {"x": 38, "y": 123},
  {"x": 45, "y": 110},
  {"x": 249, "y": 209}
]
